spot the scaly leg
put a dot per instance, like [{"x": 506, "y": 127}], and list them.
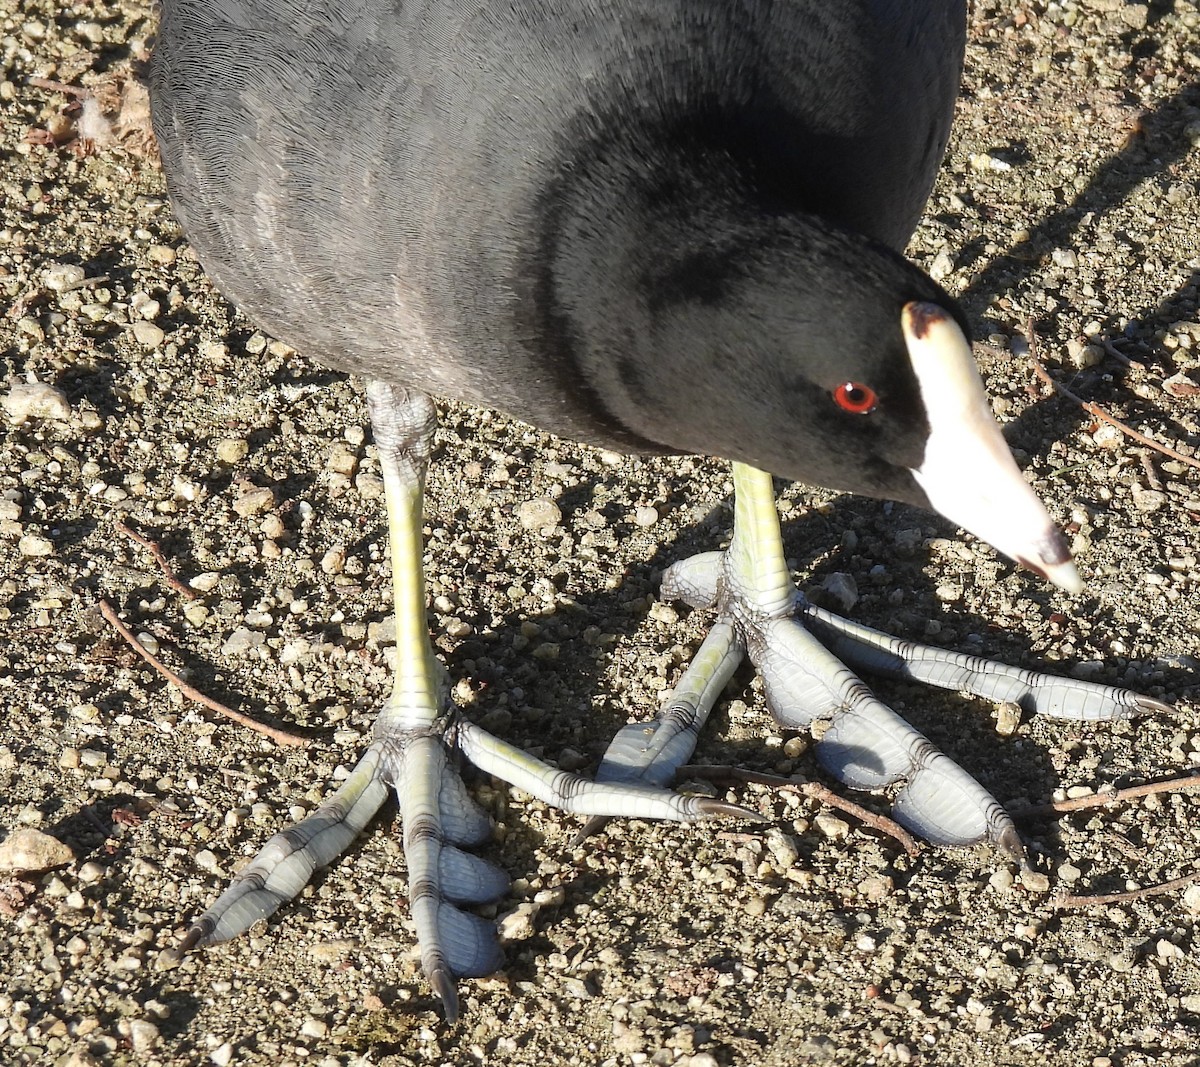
[
  {"x": 798, "y": 650},
  {"x": 413, "y": 741}
]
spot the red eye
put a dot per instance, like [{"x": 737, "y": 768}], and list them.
[{"x": 856, "y": 398}]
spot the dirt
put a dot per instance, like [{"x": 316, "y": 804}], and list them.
[{"x": 1069, "y": 200}]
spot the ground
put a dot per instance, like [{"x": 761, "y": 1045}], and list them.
[{"x": 1069, "y": 200}]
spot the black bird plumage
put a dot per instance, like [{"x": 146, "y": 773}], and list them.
[{"x": 584, "y": 214}]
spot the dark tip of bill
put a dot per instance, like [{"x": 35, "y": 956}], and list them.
[
  {"x": 1053, "y": 549},
  {"x": 1037, "y": 568},
  {"x": 922, "y": 315}
]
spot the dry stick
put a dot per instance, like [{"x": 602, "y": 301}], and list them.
[
  {"x": 1096, "y": 410},
  {"x": 1118, "y": 355},
  {"x": 1071, "y": 900},
  {"x": 58, "y": 87},
  {"x": 280, "y": 737},
  {"x": 1107, "y": 799},
  {"x": 812, "y": 790},
  {"x": 184, "y": 590}
]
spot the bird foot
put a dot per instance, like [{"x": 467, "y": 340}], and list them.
[
  {"x": 804, "y": 656},
  {"x": 440, "y": 821}
]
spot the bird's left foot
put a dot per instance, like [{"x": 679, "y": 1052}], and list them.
[
  {"x": 417, "y": 738},
  {"x": 804, "y": 656}
]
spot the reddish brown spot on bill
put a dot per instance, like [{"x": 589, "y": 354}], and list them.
[{"x": 923, "y": 316}]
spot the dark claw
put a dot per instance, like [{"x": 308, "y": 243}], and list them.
[
  {"x": 1009, "y": 842},
  {"x": 1149, "y": 704},
  {"x": 731, "y": 811},
  {"x": 446, "y": 990}
]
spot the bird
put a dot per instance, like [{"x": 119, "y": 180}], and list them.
[{"x": 663, "y": 228}]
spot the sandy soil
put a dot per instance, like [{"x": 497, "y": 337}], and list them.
[{"x": 1070, "y": 198}]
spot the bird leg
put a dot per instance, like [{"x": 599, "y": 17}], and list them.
[
  {"x": 416, "y": 736},
  {"x": 802, "y": 652}
]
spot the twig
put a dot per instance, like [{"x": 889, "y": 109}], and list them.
[
  {"x": 1108, "y": 798},
  {"x": 182, "y": 588},
  {"x": 59, "y": 87},
  {"x": 1118, "y": 355},
  {"x": 280, "y": 737},
  {"x": 812, "y": 790},
  {"x": 1096, "y": 410},
  {"x": 1083, "y": 900}
]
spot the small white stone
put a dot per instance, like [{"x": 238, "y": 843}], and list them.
[
  {"x": 842, "y": 588},
  {"x": 35, "y": 400},
  {"x": 32, "y": 545},
  {"x": 1191, "y": 899},
  {"x": 32, "y": 850},
  {"x": 1008, "y": 717},
  {"x": 539, "y": 513},
  {"x": 254, "y": 501},
  {"x": 517, "y": 925},
  {"x": 59, "y": 277},
  {"x": 832, "y": 827},
  {"x": 240, "y": 641},
  {"x": 147, "y": 334},
  {"x": 232, "y": 450},
  {"x": 143, "y": 1036},
  {"x": 206, "y": 582}
]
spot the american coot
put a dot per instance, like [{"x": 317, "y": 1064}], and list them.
[{"x": 661, "y": 227}]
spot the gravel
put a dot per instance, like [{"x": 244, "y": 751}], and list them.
[{"x": 134, "y": 392}]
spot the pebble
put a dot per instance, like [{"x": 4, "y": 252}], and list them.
[
  {"x": 254, "y": 501},
  {"x": 517, "y": 925},
  {"x": 1001, "y": 880},
  {"x": 1191, "y": 899},
  {"x": 942, "y": 266},
  {"x": 1068, "y": 872},
  {"x": 876, "y": 887},
  {"x": 32, "y": 850},
  {"x": 232, "y": 450},
  {"x": 1008, "y": 717},
  {"x": 1035, "y": 881},
  {"x": 832, "y": 827},
  {"x": 32, "y": 545},
  {"x": 61, "y": 277},
  {"x": 783, "y": 848},
  {"x": 205, "y": 582},
  {"x": 1148, "y": 500},
  {"x": 143, "y": 1036},
  {"x": 222, "y": 1055},
  {"x": 539, "y": 513},
  {"x": 241, "y": 640},
  {"x": 91, "y": 872},
  {"x": 35, "y": 400},
  {"x": 842, "y": 589},
  {"x": 645, "y": 516},
  {"x": 147, "y": 334}
]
